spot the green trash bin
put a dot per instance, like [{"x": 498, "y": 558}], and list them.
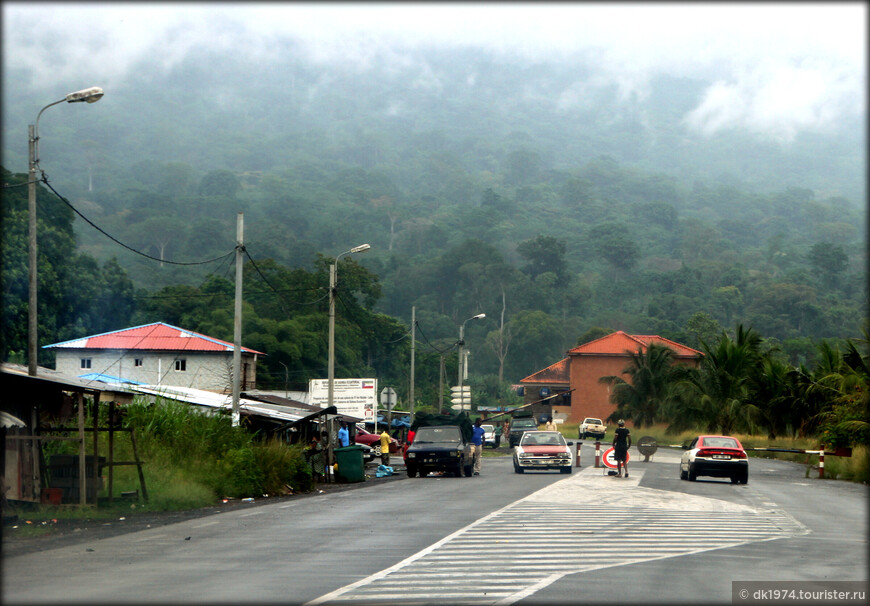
[{"x": 350, "y": 464}]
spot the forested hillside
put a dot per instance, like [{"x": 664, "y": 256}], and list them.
[{"x": 556, "y": 207}]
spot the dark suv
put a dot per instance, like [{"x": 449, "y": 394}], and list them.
[
  {"x": 438, "y": 448},
  {"x": 519, "y": 426}
]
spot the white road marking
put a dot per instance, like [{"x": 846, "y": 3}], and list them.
[
  {"x": 586, "y": 522},
  {"x": 204, "y": 524}
]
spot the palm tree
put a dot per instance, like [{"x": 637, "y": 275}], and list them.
[
  {"x": 648, "y": 387},
  {"x": 716, "y": 396},
  {"x": 844, "y": 383}
]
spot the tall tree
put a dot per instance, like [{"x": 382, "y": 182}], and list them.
[{"x": 647, "y": 389}]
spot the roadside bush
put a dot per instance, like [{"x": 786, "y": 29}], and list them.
[
  {"x": 193, "y": 458},
  {"x": 282, "y": 466},
  {"x": 238, "y": 474}
]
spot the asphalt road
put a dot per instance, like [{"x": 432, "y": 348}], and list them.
[{"x": 497, "y": 538}]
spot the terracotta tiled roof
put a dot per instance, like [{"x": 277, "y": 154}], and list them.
[
  {"x": 552, "y": 374},
  {"x": 151, "y": 337},
  {"x": 618, "y": 343}
]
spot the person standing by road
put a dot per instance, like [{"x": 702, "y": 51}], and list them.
[
  {"x": 343, "y": 436},
  {"x": 385, "y": 448},
  {"x": 477, "y": 437},
  {"x": 314, "y": 455},
  {"x": 621, "y": 444},
  {"x": 551, "y": 425}
]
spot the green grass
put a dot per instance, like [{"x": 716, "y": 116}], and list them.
[{"x": 189, "y": 460}]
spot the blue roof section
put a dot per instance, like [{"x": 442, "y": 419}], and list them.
[{"x": 98, "y": 376}]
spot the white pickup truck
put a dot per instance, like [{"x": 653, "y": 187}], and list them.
[{"x": 591, "y": 427}]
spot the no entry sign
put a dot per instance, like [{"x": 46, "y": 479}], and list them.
[{"x": 609, "y": 458}]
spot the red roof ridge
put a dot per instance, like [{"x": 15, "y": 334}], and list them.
[
  {"x": 153, "y": 337},
  {"x": 619, "y": 343}
]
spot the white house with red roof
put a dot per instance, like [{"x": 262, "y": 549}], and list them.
[{"x": 157, "y": 354}]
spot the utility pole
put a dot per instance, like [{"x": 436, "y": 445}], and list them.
[
  {"x": 31, "y": 252},
  {"x": 88, "y": 95},
  {"x": 441, "y": 386},
  {"x": 413, "y": 343},
  {"x": 237, "y": 317}
]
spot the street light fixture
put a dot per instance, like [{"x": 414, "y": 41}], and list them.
[
  {"x": 332, "y": 281},
  {"x": 87, "y": 95},
  {"x": 461, "y": 363}
]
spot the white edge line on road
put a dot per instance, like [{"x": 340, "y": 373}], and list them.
[
  {"x": 206, "y": 524},
  {"x": 409, "y": 560}
]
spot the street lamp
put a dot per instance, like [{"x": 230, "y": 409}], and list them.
[
  {"x": 332, "y": 280},
  {"x": 88, "y": 95},
  {"x": 461, "y": 353}
]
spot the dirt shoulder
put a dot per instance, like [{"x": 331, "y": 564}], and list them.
[{"x": 21, "y": 538}]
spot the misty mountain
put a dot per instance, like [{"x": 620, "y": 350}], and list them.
[
  {"x": 216, "y": 110},
  {"x": 480, "y": 180}
]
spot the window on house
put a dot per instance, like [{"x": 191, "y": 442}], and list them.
[
  {"x": 181, "y": 365},
  {"x": 137, "y": 362},
  {"x": 86, "y": 362}
]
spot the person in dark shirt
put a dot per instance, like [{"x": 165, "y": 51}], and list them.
[{"x": 621, "y": 444}]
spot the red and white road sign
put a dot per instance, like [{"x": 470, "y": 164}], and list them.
[{"x": 609, "y": 458}]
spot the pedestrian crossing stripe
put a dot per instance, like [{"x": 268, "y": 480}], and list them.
[{"x": 563, "y": 529}]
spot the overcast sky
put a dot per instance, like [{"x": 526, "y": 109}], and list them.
[{"x": 775, "y": 67}]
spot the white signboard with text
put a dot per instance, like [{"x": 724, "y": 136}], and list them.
[{"x": 351, "y": 397}]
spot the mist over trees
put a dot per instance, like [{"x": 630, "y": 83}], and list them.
[{"x": 520, "y": 190}]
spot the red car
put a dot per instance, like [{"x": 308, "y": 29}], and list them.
[
  {"x": 373, "y": 441},
  {"x": 716, "y": 456},
  {"x": 543, "y": 450}
]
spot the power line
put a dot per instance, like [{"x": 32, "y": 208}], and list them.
[{"x": 138, "y": 252}]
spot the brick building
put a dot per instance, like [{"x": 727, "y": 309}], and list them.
[{"x": 570, "y": 388}]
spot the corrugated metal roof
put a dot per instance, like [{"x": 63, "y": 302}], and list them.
[
  {"x": 210, "y": 399},
  {"x": 158, "y": 336},
  {"x": 618, "y": 343}
]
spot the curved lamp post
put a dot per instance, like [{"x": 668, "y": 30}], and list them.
[
  {"x": 88, "y": 95},
  {"x": 332, "y": 281},
  {"x": 462, "y": 353}
]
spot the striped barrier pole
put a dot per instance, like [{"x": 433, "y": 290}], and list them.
[
  {"x": 822, "y": 461},
  {"x": 577, "y": 461},
  {"x": 597, "y": 454}
]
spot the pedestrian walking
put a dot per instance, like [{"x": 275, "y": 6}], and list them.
[
  {"x": 621, "y": 444},
  {"x": 385, "y": 448},
  {"x": 477, "y": 439}
]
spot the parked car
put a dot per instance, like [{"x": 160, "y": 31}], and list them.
[
  {"x": 591, "y": 427},
  {"x": 543, "y": 450},
  {"x": 491, "y": 436},
  {"x": 520, "y": 425},
  {"x": 715, "y": 456},
  {"x": 373, "y": 441},
  {"x": 438, "y": 448}
]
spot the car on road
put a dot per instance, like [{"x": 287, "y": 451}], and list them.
[
  {"x": 373, "y": 441},
  {"x": 491, "y": 437},
  {"x": 438, "y": 448},
  {"x": 715, "y": 456},
  {"x": 591, "y": 427},
  {"x": 543, "y": 450},
  {"x": 520, "y": 425}
]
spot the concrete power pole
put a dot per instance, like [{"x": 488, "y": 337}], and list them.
[{"x": 237, "y": 317}]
